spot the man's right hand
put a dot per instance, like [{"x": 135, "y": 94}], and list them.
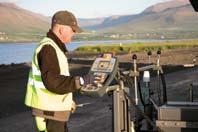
[{"x": 88, "y": 79}]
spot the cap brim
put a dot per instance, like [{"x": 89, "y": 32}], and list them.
[{"x": 77, "y": 29}]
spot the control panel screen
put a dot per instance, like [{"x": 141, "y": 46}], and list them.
[{"x": 103, "y": 65}]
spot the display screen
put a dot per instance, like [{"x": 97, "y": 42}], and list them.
[{"x": 103, "y": 65}]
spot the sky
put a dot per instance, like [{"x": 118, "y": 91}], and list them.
[{"x": 86, "y": 8}]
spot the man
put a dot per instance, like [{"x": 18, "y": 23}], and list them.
[{"x": 50, "y": 86}]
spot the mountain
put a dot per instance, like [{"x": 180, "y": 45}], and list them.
[
  {"x": 165, "y": 5},
  {"x": 111, "y": 22},
  {"x": 171, "y": 16},
  {"x": 175, "y": 16},
  {"x": 180, "y": 18},
  {"x": 15, "y": 20},
  {"x": 88, "y": 22}
]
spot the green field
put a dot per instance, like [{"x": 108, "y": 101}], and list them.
[{"x": 140, "y": 46}]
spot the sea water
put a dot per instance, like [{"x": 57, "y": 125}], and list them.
[{"x": 23, "y": 52}]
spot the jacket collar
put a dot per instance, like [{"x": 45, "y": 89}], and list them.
[{"x": 60, "y": 44}]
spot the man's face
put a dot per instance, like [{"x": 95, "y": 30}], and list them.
[{"x": 66, "y": 34}]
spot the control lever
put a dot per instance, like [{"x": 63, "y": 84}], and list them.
[
  {"x": 158, "y": 57},
  {"x": 134, "y": 57},
  {"x": 158, "y": 76},
  {"x": 149, "y": 56}
]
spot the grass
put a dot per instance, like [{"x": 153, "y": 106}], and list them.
[
  {"x": 22, "y": 37},
  {"x": 140, "y": 46}
]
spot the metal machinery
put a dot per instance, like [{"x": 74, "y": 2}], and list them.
[
  {"x": 137, "y": 107},
  {"x": 180, "y": 116},
  {"x": 107, "y": 68}
]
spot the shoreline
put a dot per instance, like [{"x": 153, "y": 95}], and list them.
[
  {"x": 180, "y": 56},
  {"x": 143, "y": 40},
  {"x": 15, "y": 64}
]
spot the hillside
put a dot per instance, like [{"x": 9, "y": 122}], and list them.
[
  {"x": 17, "y": 24},
  {"x": 15, "y": 20},
  {"x": 178, "y": 19},
  {"x": 171, "y": 17},
  {"x": 166, "y": 5},
  {"x": 89, "y": 22}
]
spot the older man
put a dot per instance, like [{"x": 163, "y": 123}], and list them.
[{"x": 50, "y": 86}]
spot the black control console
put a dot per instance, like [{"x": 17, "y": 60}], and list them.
[{"x": 105, "y": 68}]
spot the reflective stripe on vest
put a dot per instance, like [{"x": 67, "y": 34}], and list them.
[{"x": 37, "y": 96}]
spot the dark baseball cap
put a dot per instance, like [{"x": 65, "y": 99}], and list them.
[{"x": 66, "y": 18}]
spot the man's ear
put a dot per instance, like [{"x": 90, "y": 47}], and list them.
[
  {"x": 61, "y": 30},
  {"x": 194, "y": 4}
]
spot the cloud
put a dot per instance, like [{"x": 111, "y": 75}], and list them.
[{"x": 11, "y": 1}]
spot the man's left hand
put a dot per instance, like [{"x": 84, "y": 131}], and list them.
[{"x": 73, "y": 108}]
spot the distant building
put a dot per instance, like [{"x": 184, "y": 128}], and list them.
[
  {"x": 2, "y": 33},
  {"x": 1, "y": 38},
  {"x": 162, "y": 37},
  {"x": 114, "y": 36}
]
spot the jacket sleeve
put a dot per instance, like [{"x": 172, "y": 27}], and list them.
[{"x": 50, "y": 73}]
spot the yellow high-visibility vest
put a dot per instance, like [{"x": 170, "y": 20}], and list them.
[{"x": 37, "y": 96}]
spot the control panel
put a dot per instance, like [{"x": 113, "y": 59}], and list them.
[{"x": 104, "y": 70}]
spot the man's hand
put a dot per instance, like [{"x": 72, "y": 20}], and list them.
[
  {"x": 93, "y": 79},
  {"x": 88, "y": 79},
  {"x": 73, "y": 108}
]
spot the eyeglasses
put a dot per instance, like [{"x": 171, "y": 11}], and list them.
[{"x": 73, "y": 30}]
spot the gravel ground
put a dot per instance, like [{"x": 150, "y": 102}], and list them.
[{"x": 95, "y": 115}]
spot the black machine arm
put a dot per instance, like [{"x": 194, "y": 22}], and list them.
[{"x": 194, "y": 4}]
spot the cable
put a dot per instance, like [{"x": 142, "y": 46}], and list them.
[
  {"x": 140, "y": 94},
  {"x": 143, "y": 114}
]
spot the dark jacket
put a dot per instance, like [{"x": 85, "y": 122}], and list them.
[{"x": 50, "y": 71}]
